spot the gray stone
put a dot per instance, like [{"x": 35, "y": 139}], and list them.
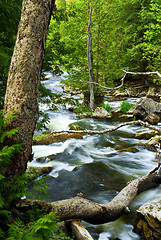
[
  {"x": 147, "y": 110},
  {"x": 148, "y": 220},
  {"x": 100, "y": 112}
]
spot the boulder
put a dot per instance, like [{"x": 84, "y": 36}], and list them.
[
  {"x": 147, "y": 110},
  {"x": 100, "y": 112},
  {"x": 148, "y": 220}
]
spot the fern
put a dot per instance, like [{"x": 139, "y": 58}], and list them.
[
  {"x": 8, "y": 134},
  {"x": 43, "y": 229}
]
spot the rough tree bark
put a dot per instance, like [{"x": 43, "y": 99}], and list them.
[
  {"x": 89, "y": 56},
  {"x": 24, "y": 77}
]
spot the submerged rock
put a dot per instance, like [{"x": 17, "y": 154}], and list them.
[
  {"x": 145, "y": 134},
  {"x": 148, "y": 220},
  {"x": 147, "y": 110}
]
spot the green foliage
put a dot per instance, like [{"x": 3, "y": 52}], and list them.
[
  {"x": 42, "y": 121},
  {"x": 81, "y": 109},
  {"x": 42, "y": 229},
  {"x": 10, "y": 191},
  {"x": 125, "y": 35},
  {"x": 106, "y": 106},
  {"x": 126, "y": 106},
  {"x": 9, "y": 18},
  {"x": 7, "y": 151},
  {"x": 40, "y": 188}
]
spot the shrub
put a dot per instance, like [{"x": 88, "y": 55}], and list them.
[
  {"x": 106, "y": 106},
  {"x": 126, "y": 106}
]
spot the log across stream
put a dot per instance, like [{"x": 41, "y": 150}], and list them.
[{"x": 98, "y": 166}]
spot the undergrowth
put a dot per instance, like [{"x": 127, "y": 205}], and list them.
[{"x": 34, "y": 224}]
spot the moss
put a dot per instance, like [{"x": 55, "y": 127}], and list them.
[{"x": 49, "y": 138}]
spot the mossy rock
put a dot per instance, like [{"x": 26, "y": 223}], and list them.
[
  {"x": 130, "y": 149},
  {"x": 75, "y": 127},
  {"x": 51, "y": 138},
  {"x": 145, "y": 134}
]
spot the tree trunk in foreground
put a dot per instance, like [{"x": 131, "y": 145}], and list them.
[
  {"x": 24, "y": 76},
  {"x": 95, "y": 213}
]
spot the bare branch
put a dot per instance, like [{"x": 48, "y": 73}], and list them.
[
  {"x": 86, "y": 131},
  {"x": 122, "y": 79},
  {"x": 142, "y": 73}
]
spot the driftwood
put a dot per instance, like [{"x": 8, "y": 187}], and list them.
[
  {"x": 79, "y": 231},
  {"x": 86, "y": 131},
  {"x": 93, "y": 212}
]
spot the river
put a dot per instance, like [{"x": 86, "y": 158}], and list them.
[{"x": 98, "y": 166}]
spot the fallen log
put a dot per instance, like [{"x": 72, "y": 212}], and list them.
[{"x": 93, "y": 212}]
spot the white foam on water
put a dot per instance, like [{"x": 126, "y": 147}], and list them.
[
  {"x": 58, "y": 166},
  {"x": 46, "y": 150},
  {"x": 118, "y": 229},
  {"x": 60, "y": 122}
]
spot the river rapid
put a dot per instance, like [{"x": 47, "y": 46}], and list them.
[{"x": 98, "y": 166}]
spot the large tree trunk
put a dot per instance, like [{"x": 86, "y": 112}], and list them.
[{"x": 24, "y": 76}]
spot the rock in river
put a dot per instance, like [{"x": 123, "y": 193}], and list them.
[
  {"x": 148, "y": 110},
  {"x": 100, "y": 112},
  {"x": 148, "y": 220}
]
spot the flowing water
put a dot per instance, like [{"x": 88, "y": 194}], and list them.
[{"x": 98, "y": 166}]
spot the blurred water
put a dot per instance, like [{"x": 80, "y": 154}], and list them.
[{"x": 99, "y": 166}]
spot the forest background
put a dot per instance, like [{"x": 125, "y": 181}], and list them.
[{"x": 125, "y": 35}]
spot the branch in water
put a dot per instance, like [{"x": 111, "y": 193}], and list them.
[{"x": 138, "y": 122}]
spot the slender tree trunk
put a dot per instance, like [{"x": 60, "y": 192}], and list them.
[
  {"x": 98, "y": 45},
  {"x": 24, "y": 76},
  {"x": 89, "y": 56}
]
